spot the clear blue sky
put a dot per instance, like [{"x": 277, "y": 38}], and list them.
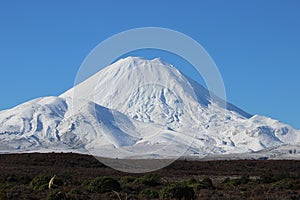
[{"x": 255, "y": 44}]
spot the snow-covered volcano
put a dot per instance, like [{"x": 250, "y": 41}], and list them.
[{"x": 145, "y": 107}]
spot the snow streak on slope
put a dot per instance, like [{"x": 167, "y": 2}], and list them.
[
  {"x": 137, "y": 106},
  {"x": 31, "y": 123}
]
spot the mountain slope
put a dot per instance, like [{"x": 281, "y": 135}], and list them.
[{"x": 137, "y": 106}]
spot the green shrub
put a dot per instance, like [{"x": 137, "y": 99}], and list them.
[
  {"x": 271, "y": 178},
  {"x": 148, "y": 180},
  {"x": 18, "y": 179},
  {"x": 56, "y": 195},
  {"x": 284, "y": 184},
  {"x": 267, "y": 178},
  {"x": 237, "y": 181},
  {"x": 41, "y": 182},
  {"x": 127, "y": 179},
  {"x": 177, "y": 191},
  {"x": 206, "y": 183},
  {"x": 75, "y": 191},
  {"x": 149, "y": 193},
  {"x": 103, "y": 184}
]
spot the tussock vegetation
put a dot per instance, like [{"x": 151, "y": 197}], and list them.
[{"x": 80, "y": 177}]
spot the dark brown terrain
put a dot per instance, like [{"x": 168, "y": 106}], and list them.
[{"x": 26, "y": 176}]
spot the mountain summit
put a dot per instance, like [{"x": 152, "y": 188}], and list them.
[{"x": 141, "y": 107}]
